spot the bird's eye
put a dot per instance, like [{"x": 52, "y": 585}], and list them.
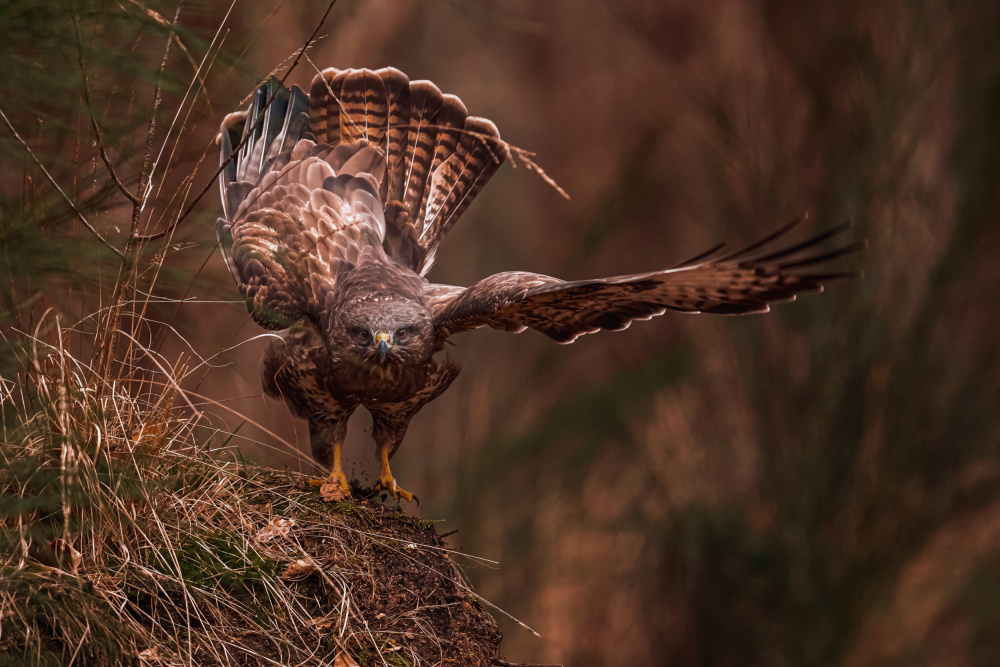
[
  {"x": 402, "y": 333},
  {"x": 364, "y": 334}
]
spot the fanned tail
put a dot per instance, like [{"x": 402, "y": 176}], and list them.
[
  {"x": 413, "y": 147},
  {"x": 437, "y": 157}
]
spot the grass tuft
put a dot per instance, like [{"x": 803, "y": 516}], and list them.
[{"x": 126, "y": 540}]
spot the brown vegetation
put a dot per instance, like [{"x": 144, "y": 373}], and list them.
[
  {"x": 810, "y": 487},
  {"x": 124, "y": 542}
]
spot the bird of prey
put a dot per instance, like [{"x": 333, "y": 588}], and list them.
[{"x": 334, "y": 203}]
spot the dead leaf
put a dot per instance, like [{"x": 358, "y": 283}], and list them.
[
  {"x": 66, "y": 556},
  {"x": 321, "y": 623},
  {"x": 150, "y": 655},
  {"x": 332, "y": 492},
  {"x": 300, "y": 568},
  {"x": 277, "y": 528},
  {"x": 344, "y": 660}
]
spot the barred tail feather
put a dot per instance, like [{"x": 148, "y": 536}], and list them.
[
  {"x": 397, "y": 88},
  {"x": 426, "y": 157},
  {"x": 437, "y": 158},
  {"x": 458, "y": 180}
]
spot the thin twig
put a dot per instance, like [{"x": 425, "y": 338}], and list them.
[
  {"x": 504, "y": 663},
  {"x": 232, "y": 67},
  {"x": 199, "y": 76},
  {"x": 93, "y": 120},
  {"x": 109, "y": 340},
  {"x": 156, "y": 16},
  {"x": 59, "y": 189},
  {"x": 147, "y": 158},
  {"x": 236, "y": 150}
]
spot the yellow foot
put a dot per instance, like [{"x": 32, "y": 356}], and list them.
[
  {"x": 335, "y": 487},
  {"x": 388, "y": 483}
]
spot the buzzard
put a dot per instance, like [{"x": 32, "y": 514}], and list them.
[{"x": 334, "y": 203}]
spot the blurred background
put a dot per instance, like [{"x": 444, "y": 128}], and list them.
[{"x": 815, "y": 486}]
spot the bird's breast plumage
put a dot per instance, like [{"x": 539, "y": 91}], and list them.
[{"x": 319, "y": 383}]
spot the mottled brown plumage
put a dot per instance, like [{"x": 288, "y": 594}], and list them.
[{"x": 333, "y": 208}]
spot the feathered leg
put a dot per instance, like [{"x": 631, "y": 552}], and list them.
[
  {"x": 326, "y": 440},
  {"x": 389, "y": 432}
]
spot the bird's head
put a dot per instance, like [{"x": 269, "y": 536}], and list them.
[{"x": 383, "y": 330}]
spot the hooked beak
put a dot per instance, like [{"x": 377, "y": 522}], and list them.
[{"x": 382, "y": 339}]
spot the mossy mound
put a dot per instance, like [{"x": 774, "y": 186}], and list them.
[
  {"x": 124, "y": 541},
  {"x": 284, "y": 577}
]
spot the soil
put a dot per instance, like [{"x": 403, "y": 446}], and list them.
[{"x": 410, "y": 602}]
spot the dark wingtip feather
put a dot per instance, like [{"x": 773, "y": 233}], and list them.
[
  {"x": 831, "y": 275},
  {"x": 781, "y": 231},
  {"x": 799, "y": 247},
  {"x": 697, "y": 258},
  {"x": 843, "y": 251}
]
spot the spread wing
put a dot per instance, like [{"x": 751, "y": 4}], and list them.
[
  {"x": 296, "y": 211},
  {"x": 743, "y": 282},
  {"x": 368, "y": 163}
]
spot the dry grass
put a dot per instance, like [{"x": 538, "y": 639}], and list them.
[
  {"x": 127, "y": 539},
  {"x": 131, "y": 533}
]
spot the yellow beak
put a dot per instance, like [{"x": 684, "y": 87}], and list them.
[{"x": 382, "y": 342}]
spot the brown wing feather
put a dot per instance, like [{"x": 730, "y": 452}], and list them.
[
  {"x": 296, "y": 212},
  {"x": 366, "y": 159},
  {"x": 731, "y": 284}
]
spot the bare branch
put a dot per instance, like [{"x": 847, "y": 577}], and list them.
[
  {"x": 191, "y": 92},
  {"x": 109, "y": 338},
  {"x": 173, "y": 225},
  {"x": 148, "y": 153},
  {"x": 59, "y": 189},
  {"x": 93, "y": 121}
]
